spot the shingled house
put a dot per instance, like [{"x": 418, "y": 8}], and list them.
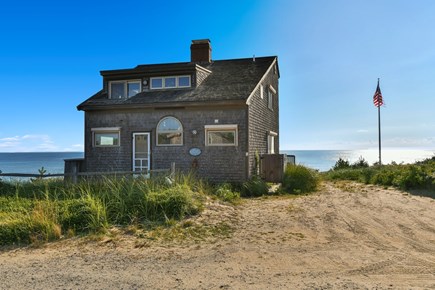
[{"x": 211, "y": 116}]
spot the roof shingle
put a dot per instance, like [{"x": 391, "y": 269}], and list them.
[{"x": 230, "y": 80}]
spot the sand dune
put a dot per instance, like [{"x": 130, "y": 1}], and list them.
[{"x": 347, "y": 236}]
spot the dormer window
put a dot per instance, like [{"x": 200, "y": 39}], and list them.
[
  {"x": 124, "y": 89},
  {"x": 170, "y": 82}
]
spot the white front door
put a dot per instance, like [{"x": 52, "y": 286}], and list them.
[{"x": 141, "y": 152}]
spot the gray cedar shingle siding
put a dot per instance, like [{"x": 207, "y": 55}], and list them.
[
  {"x": 215, "y": 163},
  {"x": 262, "y": 119},
  {"x": 219, "y": 91}
]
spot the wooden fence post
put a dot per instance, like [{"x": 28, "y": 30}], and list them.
[{"x": 172, "y": 174}]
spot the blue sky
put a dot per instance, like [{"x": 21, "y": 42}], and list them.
[{"x": 330, "y": 56}]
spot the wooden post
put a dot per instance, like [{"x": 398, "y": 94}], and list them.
[{"x": 172, "y": 174}]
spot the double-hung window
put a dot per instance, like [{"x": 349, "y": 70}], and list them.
[
  {"x": 221, "y": 135},
  {"x": 106, "y": 137},
  {"x": 124, "y": 89}
]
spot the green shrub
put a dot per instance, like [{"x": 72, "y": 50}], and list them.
[
  {"x": 361, "y": 163},
  {"x": 341, "y": 164},
  {"x": 226, "y": 192},
  {"x": 254, "y": 187},
  {"x": 411, "y": 176},
  {"x": 299, "y": 179}
]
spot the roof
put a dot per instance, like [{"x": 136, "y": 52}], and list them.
[{"x": 229, "y": 81}]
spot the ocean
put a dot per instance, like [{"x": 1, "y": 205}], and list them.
[
  {"x": 323, "y": 160},
  {"x": 30, "y": 162}
]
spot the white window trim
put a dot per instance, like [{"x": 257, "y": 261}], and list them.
[
  {"x": 126, "y": 86},
  {"x": 177, "y": 85},
  {"x": 272, "y": 89},
  {"x": 116, "y": 130},
  {"x": 173, "y": 131},
  {"x": 271, "y": 137},
  {"x": 220, "y": 128},
  {"x": 270, "y": 98},
  {"x": 261, "y": 92}
]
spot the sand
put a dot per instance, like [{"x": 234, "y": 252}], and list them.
[{"x": 347, "y": 236}]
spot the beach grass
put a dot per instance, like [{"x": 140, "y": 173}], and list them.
[
  {"x": 409, "y": 177},
  {"x": 38, "y": 211}
]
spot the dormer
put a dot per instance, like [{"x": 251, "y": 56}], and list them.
[{"x": 126, "y": 83}]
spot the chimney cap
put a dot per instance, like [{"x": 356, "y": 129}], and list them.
[{"x": 200, "y": 41}]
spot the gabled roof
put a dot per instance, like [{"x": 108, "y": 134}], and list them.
[{"x": 230, "y": 81}]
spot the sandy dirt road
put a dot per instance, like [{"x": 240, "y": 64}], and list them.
[{"x": 347, "y": 236}]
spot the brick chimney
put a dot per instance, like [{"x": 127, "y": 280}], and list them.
[{"x": 200, "y": 50}]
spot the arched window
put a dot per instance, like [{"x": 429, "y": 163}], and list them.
[{"x": 169, "y": 132}]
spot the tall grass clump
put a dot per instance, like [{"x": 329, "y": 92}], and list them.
[
  {"x": 44, "y": 210},
  {"x": 254, "y": 187},
  {"x": 299, "y": 179}
]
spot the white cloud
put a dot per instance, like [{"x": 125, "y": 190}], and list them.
[
  {"x": 74, "y": 148},
  {"x": 28, "y": 143}
]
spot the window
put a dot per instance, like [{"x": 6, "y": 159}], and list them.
[
  {"x": 184, "y": 81},
  {"x": 270, "y": 92},
  {"x": 169, "y": 132},
  {"x": 106, "y": 137},
  {"x": 156, "y": 83},
  {"x": 124, "y": 89},
  {"x": 269, "y": 100},
  {"x": 271, "y": 142},
  {"x": 171, "y": 82},
  {"x": 221, "y": 135}
]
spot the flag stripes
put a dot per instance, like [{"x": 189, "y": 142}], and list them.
[{"x": 377, "y": 98}]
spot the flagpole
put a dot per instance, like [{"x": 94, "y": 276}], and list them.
[
  {"x": 379, "y": 132},
  {"x": 377, "y": 100}
]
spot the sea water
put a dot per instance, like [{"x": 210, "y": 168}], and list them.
[
  {"x": 324, "y": 160},
  {"x": 31, "y": 162}
]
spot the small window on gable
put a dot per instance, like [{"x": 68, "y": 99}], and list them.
[
  {"x": 270, "y": 99},
  {"x": 221, "y": 135},
  {"x": 124, "y": 89},
  {"x": 270, "y": 93},
  {"x": 106, "y": 137},
  {"x": 169, "y": 132}
]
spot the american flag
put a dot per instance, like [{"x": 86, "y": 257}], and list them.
[{"x": 377, "y": 98}]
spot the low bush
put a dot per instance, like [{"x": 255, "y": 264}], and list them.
[
  {"x": 341, "y": 164},
  {"x": 299, "y": 179},
  {"x": 404, "y": 176},
  {"x": 226, "y": 192},
  {"x": 254, "y": 187}
]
